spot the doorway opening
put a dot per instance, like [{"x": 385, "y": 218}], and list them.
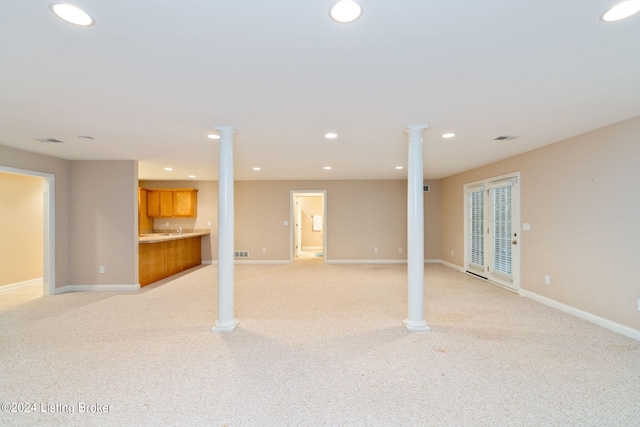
[
  {"x": 308, "y": 225},
  {"x": 44, "y": 261}
]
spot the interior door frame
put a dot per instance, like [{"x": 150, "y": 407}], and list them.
[
  {"x": 486, "y": 185},
  {"x": 292, "y": 209},
  {"x": 49, "y": 221}
]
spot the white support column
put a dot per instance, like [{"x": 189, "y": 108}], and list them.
[
  {"x": 226, "y": 321},
  {"x": 415, "y": 231}
]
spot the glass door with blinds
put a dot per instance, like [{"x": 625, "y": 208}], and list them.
[{"x": 491, "y": 230}]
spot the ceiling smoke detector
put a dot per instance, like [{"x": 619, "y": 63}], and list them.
[
  {"x": 49, "y": 140},
  {"x": 505, "y": 138}
]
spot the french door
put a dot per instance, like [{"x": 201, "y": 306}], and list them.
[{"x": 492, "y": 231}]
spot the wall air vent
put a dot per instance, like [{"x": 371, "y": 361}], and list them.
[
  {"x": 241, "y": 254},
  {"x": 505, "y": 138},
  {"x": 49, "y": 140}
]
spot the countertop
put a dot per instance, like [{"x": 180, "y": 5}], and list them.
[{"x": 162, "y": 237}]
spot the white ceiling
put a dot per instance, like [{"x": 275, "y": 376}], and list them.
[{"x": 151, "y": 78}]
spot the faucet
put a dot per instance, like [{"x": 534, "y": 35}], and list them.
[{"x": 180, "y": 230}]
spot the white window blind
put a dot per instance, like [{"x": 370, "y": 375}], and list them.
[
  {"x": 476, "y": 226},
  {"x": 502, "y": 229}
]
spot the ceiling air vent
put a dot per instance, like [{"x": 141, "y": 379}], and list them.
[
  {"x": 49, "y": 140},
  {"x": 505, "y": 138}
]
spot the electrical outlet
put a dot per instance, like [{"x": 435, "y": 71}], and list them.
[
  {"x": 400, "y": 250},
  {"x": 375, "y": 250},
  {"x": 547, "y": 280},
  {"x": 102, "y": 269},
  {"x": 639, "y": 305},
  {"x": 264, "y": 250},
  {"x": 451, "y": 253},
  {"x": 209, "y": 223},
  {"x": 166, "y": 224}
]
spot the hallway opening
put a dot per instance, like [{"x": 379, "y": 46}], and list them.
[
  {"x": 27, "y": 254},
  {"x": 308, "y": 225}
]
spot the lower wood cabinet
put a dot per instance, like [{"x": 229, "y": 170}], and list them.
[{"x": 163, "y": 259}]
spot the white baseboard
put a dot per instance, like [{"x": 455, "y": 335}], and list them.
[
  {"x": 455, "y": 267},
  {"x": 96, "y": 288},
  {"x": 251, "y": 261},
  {"x": 366, "y": 261},
  {"x": 335, "y": 261},
  {"x": 263, "y": 261},
  {"x": 605, "y": 323},
  {"x": 18, "y": 285}
]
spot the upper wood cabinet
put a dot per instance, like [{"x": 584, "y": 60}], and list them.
[
  {"x": 172, "y": 202},
  {"x": 145, "y": 224},
  {"x": 185, "y": 203}
]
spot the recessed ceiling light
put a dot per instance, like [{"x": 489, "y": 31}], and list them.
[
  {"x": 213, "y": 136},
  {"x": 448, "y": 135},
  {"x": 331, "y": 135},
  {"x": 72, "y": 14},
  {"x": 327, "y": 168},
  {"x": 345, "y": 11},
  {"x": 621, "y": 11},
  {"x": 192, "y": 176},
  {"x": 399, "y": 167},
  {"x": 257, "y": 169},
  {"x": 168, "y": 169}
]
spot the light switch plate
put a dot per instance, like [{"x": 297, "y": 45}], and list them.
[{"x": 526, "y": 226}]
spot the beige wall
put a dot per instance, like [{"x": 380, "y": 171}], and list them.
[
  {"x": 103, "y": 212},
  {"x": 580, "y": 197},
  {"x": 21, "y": 204},
  {"x": 361, "y": 215},
  {"x": 95, "y": 216},
  {"x": 24, "y": 160},
  {"x": 311, "y": 206}
]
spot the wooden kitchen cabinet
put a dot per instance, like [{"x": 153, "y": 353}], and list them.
[
  {"x": 151, "y": 262},
  {"x": 192, "y": 253},
  {"x": 164, "y": 259},
  {"x": 185, "y": 203},
  {"x": 145, "y": 224},
  {"x": 172, "y": 203}
]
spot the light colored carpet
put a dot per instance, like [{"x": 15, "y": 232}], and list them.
[{"x": 317, "y": 345}]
